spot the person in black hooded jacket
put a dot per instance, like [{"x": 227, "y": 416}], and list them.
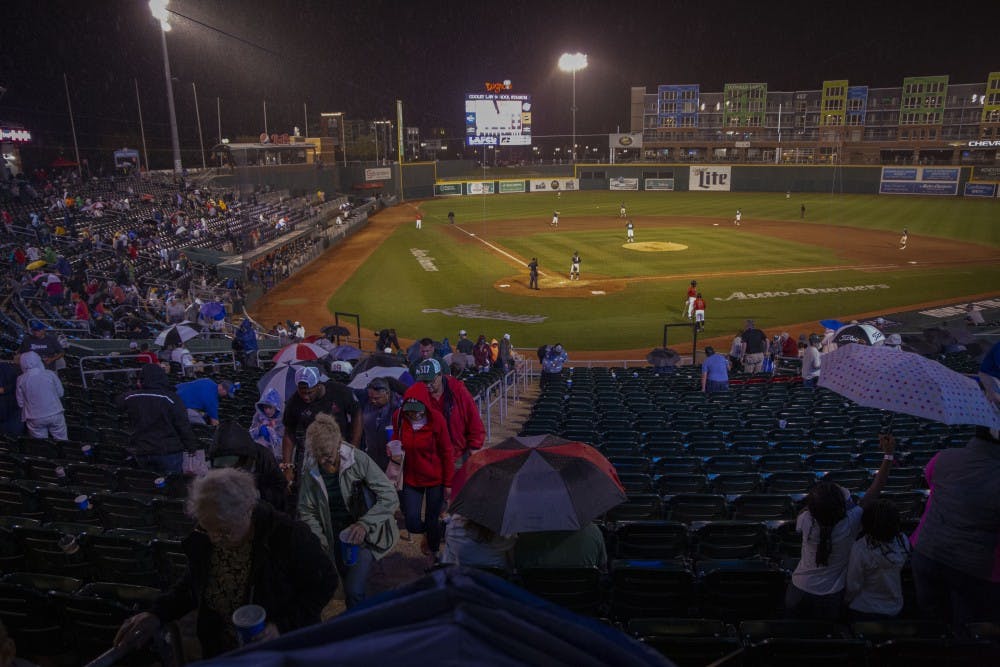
[
  {"x": 161, "y": 432},
  {"x": 234, "y": 448}
]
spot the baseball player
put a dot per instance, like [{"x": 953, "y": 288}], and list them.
[
  {"x": 555, "y": 219},
  {"x": 629, "y": 232},
  {"x": 739, "y": 216},
  {"x": 903, "y": 239},
  {"x": 621, "y": 210},
  {"x": 692, "y": 294},
  {"x": 574, "y": 267},
  {"x": 420, "y": 220},
  {"x": 699, "y": 312}
]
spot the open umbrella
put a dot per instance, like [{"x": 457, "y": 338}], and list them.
[
  {"x": 176, "y": 334},
  {"x": 335, "y": 330},
  {"x": 379, "y": 359},
  {"x": 889, "y": 379},
  {"x": 37, "y": 264},
  {"x": 536, "y": 483},
  {"x": 345, "y": 353},
  {"x": 282, "y": 379},
  {"x": 213, "y": 310},
  {"x": 862, "y": 334},
  {"x": 831, "y": 324},
  {"x": 662, "y": 356},
  {"x": 361, "y": 380},
  {"x": 299, "y": 352}
]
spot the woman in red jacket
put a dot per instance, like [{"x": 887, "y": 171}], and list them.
[{"x": 428, "y": 466}]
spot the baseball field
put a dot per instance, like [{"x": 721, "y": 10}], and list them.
[{"x": 840, "y": 258}]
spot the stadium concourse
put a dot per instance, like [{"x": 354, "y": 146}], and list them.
[{"x": 696, "y": 562}]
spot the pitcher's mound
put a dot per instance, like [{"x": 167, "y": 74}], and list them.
[{"x": 654, "y": 246}]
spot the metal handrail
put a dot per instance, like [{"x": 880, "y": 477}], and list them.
[{"x": 135, "y": 369}]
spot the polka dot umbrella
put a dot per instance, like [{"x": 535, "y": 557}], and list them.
[{"x": 890, "y": 379}]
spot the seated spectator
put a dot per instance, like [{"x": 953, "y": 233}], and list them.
[
  {"x": 39, "y": 393},
  {"x": 829, "y": 525},
  {"x": 201, "y": 398},
  {"x": 973, "y": 317},
  {"x": 474, "y": 545},
  {"x": 145, "y": 356},
  {"x": 344, "y": 491},
  {"x": 563, "y": 548},
  {"x": 874, "y": 590},
  {"x": 241, "y": 550}
]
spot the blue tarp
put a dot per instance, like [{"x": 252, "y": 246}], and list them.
[{"x": 454, "y": 616}]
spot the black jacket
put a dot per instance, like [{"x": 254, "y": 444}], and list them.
[
  {"x": 234, "y": 448},
  {"x": 290, "y": 576},
  {"x": 159, "y": 419}
]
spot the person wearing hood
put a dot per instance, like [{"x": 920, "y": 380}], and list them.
[
  {"x": 266, "y": 427},
  {"x": 428, "y": 463},
  {"x": 481, "y": 352},
  {"x": 347, "y": 500},
  {"x": 874, "y": 589},
  {"x": 246, "y": 345},
  {"x": 39, "y": 393},
  {"x": 234, "y": 448},
  {"x": 161, "y": 431}
]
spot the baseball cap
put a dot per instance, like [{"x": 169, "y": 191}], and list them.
[
  {"x": 37, "y": 326},
  {"x": 308, "y": 376},
  {"x": 413, "y": 405},
  {"x": 894, "y": 340},
  {"x": 507, "y": 336},
  {"x": 461, "y": 332},
  {"x": 133, "y": 345},
  {"x": 428, "y": 369}
]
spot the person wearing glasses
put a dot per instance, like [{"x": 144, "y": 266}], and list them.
[
  {"x": 241, "y": 552},
  {"x": 428, "y": 464},
  {"x": 346, "y": 500}
]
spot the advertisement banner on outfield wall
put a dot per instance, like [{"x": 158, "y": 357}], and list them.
[
  {"x": 709, "y": 179},
  {"x": 665, "y": 184},
  {"x": 447, "y": 189},
  {"x": 919, "y": 181},
  {"x": 479, "y": 188},
  {"x": 980, "y": 189},
  {"x": 986, "y": 174},
  {"x": 554, "y": 184},
  {"x": 622, "y": 183},
  {"x": 511, "y": 186},
  {"x": 378, "y": 174}
]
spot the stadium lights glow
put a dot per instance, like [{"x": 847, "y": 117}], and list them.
[
  {"x": 159, "y": 10},
  {"x": 573, "y": 62}
]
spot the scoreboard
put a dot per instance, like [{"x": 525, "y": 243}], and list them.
[{"x": 497, "y": 119}]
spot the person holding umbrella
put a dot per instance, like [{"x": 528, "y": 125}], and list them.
[{"x": 428, "y": 464}]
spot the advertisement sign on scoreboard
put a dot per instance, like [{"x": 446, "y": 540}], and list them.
[{"x": 497, "y": 119}]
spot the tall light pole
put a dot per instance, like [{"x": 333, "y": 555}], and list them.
[
  {"x": 159, "y": 10},
  {"x": 573, "y": 62}
]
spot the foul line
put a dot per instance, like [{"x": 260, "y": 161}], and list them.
[{"x": 497, "y": 249}]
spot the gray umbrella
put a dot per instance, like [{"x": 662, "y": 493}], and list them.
[{"x": 663, "y": 356}]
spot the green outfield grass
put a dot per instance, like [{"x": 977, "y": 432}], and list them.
[{"x": 394, "y": 289}]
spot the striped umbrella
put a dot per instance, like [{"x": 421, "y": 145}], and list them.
[
  {"x": 536, "y": 483},
  {"x": 295, "y": 352}
]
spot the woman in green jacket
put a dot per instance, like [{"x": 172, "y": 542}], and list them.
[{"x": 347, "y": 500}]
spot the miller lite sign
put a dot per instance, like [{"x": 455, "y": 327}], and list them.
[{"x": 709, "y": 179}]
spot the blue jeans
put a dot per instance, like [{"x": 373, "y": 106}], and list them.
[
  {"x": 944, "y": 592},
  {"x": 355, "y": 577},
  {"x": 413, "y": 499},
  {"x": 163, "y": 463},
  {"x": 800, "y": 604}
]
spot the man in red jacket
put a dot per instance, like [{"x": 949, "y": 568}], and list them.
[{"x": 457, "y": 405}]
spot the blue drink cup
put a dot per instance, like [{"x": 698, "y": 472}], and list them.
[
  {"x": 82, "y": 502},
  {"x": 388, "y": 433},
  {"x": 349, "y": 552},
  {"x": 249, "y": 621}
]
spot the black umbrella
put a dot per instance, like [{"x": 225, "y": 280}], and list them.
[
  {"x": 663, "y": 356},
  {"x": 335, "y": 330},
  {"x": 177, "y": 334}
]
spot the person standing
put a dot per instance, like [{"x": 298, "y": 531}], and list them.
[
  {"x": 552, "y": 360},
  {"x": 811, "y": 362},
  {"x": 451, "y": 217},
  {"x": 533, "y": 273},
  {"x": 45, "y": 344},
  {"x": 739, "y": 217},
  {"x": 420, "y": 220},
  {"x": 555, "y": 219},
  {"x": 376, "y": 413},
  {"x": 345, "y": 491},
  {"x": 621, "y": 210},
  {"x": 629, "y": 232},
  {"x": 903, "y": 239},
  {"x": 802, "y": 211},
  {"x": 39, "y": 394},
  {"x": 574, "y": 266},
  {"x": 161, "y": 431},
  {"x": 714, "y": 372},
  {"x": 464, "y": 345},
  {"x": 754, "y": 347},
  {"x": 428, "y": 464},
  {"x": 692, "y": 294},
  {"x": 506, "y": 353},
  {"x": 699, "y": 312},
  {"x": 451, "y": 398}
]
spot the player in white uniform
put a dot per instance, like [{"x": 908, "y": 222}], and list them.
[
  {"x": 555, "y": 219},
  {"x": 621, "y": 210},
  {"x": 903, "y": 239},
  {"x": 739, "y": 216},
  {"x": 629, "y": 232}
]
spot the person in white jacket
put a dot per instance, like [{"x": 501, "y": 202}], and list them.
[
  {"x": 874, "y": 589},
  {"x": 39, "y": 394}
]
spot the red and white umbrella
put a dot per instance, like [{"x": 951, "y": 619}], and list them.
[{"x": 295, "y": 352}]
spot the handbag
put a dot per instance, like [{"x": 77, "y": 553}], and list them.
[{"x": 394, "y": 471}]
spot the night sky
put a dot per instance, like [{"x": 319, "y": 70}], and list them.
[{"x": 359, "y": 57}]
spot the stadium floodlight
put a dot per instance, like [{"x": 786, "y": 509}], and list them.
[
  {"x": 573, "y": 62},
  {"x": 159, "y": 10}
]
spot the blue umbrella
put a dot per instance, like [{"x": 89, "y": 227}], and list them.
[
  {"x": 345, "y": 353},
  {"x": 831, "y": 324},
  {"x": 213, "y": 310}
]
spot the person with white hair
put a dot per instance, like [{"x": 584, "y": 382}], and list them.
[{"x": 241, "y": 552}]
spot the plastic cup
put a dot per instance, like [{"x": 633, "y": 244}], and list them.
[
  {"x": 388, "y": 433},
  {"x": 782, "y": 423},
  {"x": 249, "y": 620},
  {"x": 60, "y": 472},
  {"x": 395, "y": 447},
  {"x": 160, "y": 482},
  {"x": 82, "y": 502},
  {"x": 87, "y": 450},
  {"x": 349, "y": 552}
]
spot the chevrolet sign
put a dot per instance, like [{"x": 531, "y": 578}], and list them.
[{"x": 985, "y": 143}]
